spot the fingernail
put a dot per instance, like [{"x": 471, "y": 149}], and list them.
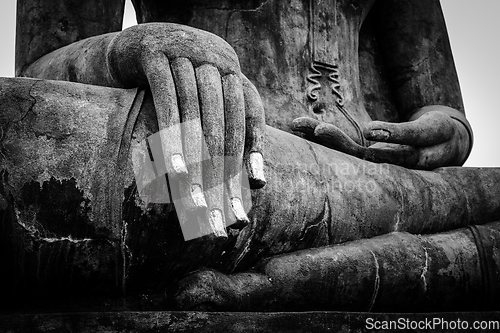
[
  {"x": 217, "y": 223},
  {"x": 198, "y": 196},
  {"x": 257, "y": 170},
  {"x": 380, "y": 134},
  {"x": 179, "y": 165},
  {"x": 241, "y": 217}
]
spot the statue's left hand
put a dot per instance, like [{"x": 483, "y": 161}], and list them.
[{"x": 435, "y": 136}]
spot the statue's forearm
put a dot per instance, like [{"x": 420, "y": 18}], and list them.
[
  {"x": 84, "y": 62},
  {"x": 119, "y": 59}
]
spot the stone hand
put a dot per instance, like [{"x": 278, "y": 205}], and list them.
[
  {"x": 202, "y": 100},
  {"x": 435, "y": 136}
]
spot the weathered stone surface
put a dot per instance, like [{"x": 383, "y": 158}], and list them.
[
  {"x": 73, "y": 220},
  {"x": 52, "y": 201},
  {"x": 241, "y": 322},
  {"x": 70, "y": 150},
  {"x": 397, "y": 272}
]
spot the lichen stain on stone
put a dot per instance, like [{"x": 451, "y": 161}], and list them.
[{"x": 57, "y": 208}]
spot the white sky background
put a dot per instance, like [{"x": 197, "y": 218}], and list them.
[{"x": 473, "y": 27}]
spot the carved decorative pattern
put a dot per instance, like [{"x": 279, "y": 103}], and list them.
[
  {"x": 333, "y": 77},
  {"x": 324, "y": 56},
  {"x": 312, "y": 78}
]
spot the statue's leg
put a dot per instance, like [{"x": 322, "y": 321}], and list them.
[
  {"x": 72, "y": 210},
  {"x": 316, "y": 196},
  {"x": 401, "y": 272},
  {"x": 60, "y": 187}
]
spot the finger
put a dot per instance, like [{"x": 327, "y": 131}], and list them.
[
  {"x": 234, "y": 105},
  {"x": 402, "y": 155},
  {"x": 254, "y": 141},
  {"x": 305, "y": 125},
  {"x": 212, "y": 109},
  {"x": 428, "y": 130},
  {"x": 331, "y": 136},
  {"x": 191, "y": 188},
  {"x": 161, "y": 83}
]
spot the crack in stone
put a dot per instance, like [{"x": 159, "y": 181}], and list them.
[
  {"x": 64, "y": 239},
  {"x": 33, "y": 232},
  {"x": 30, "y": 109},
  {"x": 125, "y": 252},
  {"x": 256, "y": 9},
  {"x": 324, "y": 219},
  {"x": 377, "y": 281},
  {"x": 425, "y": 269},
  {"x": 313, "y": 152},
  {"x": 398, "y": 221},
  {"x": 329, "y": 218},
  {"x": 233, "y": 9}
]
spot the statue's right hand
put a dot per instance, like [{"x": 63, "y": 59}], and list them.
[{"x": 201, "y": 97}]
